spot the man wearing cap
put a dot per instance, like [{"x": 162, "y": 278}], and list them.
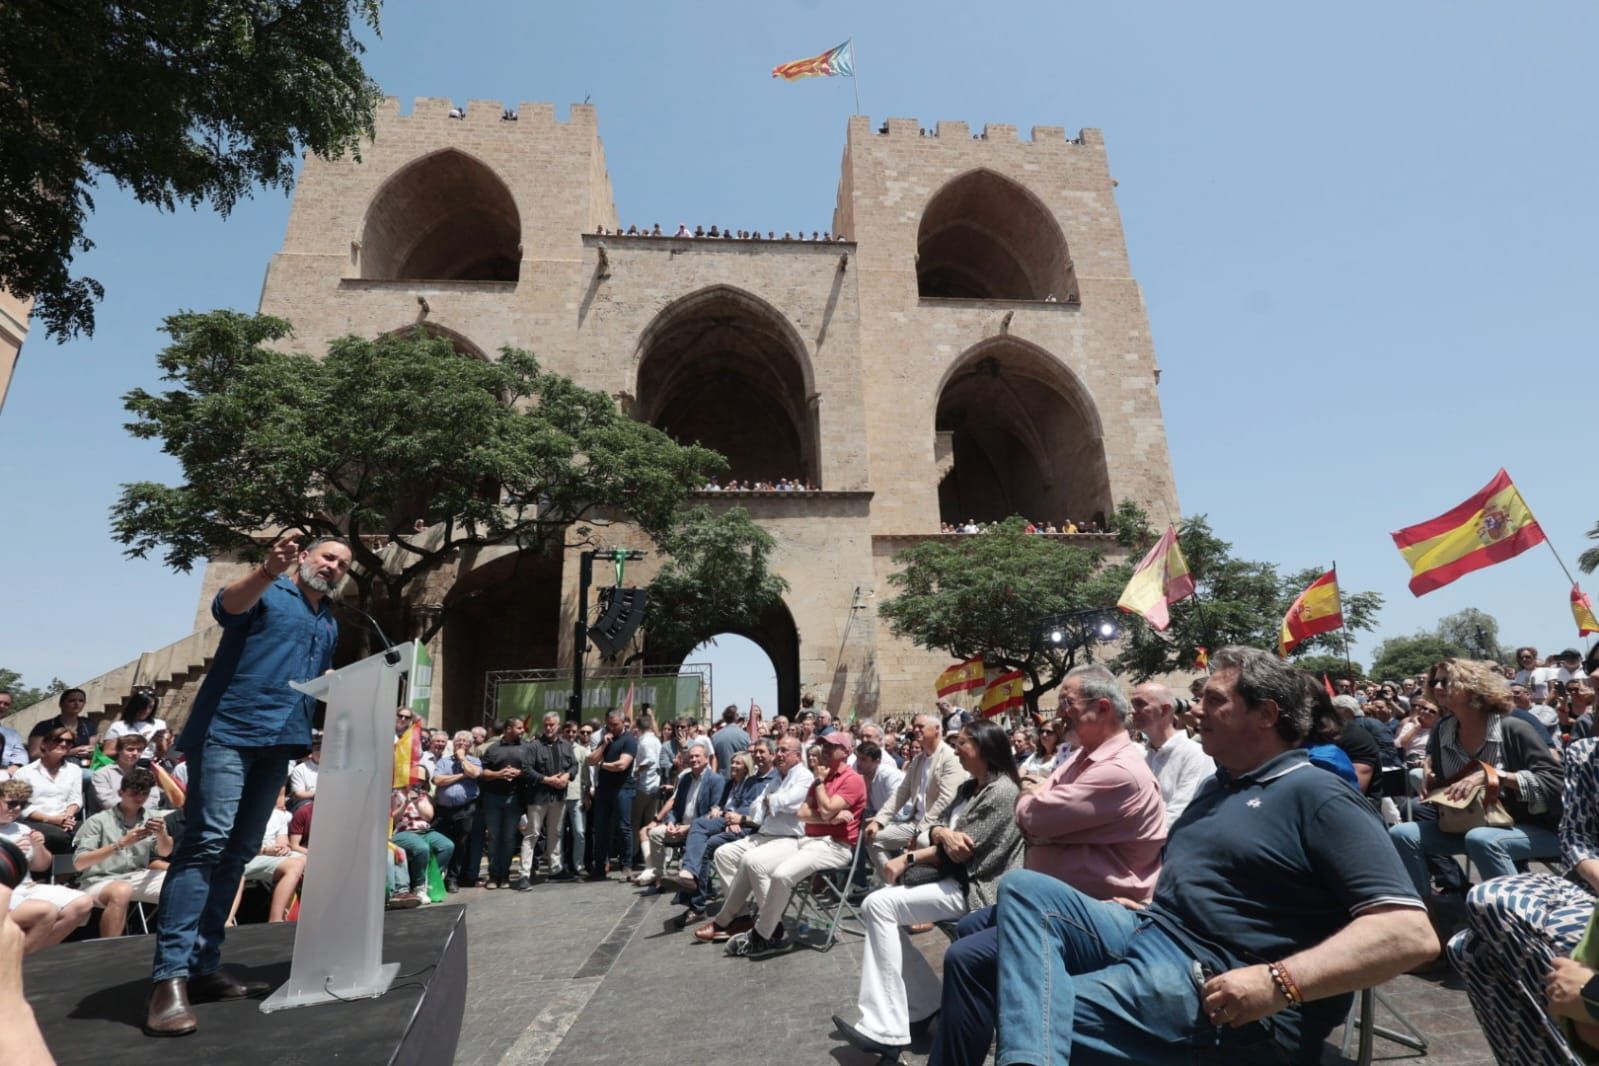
[
  {"x": 831, "y": 816},
  {"x": 1570, "y": 666}
]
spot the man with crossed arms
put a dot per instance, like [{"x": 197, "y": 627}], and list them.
[{"x": 930, "y": 782}]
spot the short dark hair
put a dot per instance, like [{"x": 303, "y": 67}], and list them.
[
  {"x": 1261, "y": 677},
  {"x": 138, "y": 779},
  {"x": 730, "y": 713},
  {"x": 868, "y": 749},
  {"x": 61, "y": 700},
  {"x": 131, "y": 740},
  {"x": 993, "y": 744}
]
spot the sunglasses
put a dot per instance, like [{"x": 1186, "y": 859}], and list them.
[
  {"x": 15, "y": 805},
  {"x": 56, "y": 742},
  {"x": 403, "y": 717}
]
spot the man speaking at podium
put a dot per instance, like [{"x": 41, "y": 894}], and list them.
[{"x": 245, "y": 726}]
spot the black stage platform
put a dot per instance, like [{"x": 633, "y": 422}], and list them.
[{"x": 89, "y": 999}]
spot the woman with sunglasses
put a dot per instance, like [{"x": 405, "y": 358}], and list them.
[{"x": 57, "y": 791}]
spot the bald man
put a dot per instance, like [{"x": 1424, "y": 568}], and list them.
[{"x": 1179, "y": 764}]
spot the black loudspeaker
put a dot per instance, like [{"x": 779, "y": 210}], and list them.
[{"x": 622, "y": 612}]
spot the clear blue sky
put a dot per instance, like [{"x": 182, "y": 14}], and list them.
[{"x": 1365, "y": 234}]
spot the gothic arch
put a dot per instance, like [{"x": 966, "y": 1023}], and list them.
[
  {"x": 775, "y": 634},
  {"x": 986, "y": 237},
  {"x": 723, "y": 368},
  {"x": 458, "y": 341},
  {"x": 1024, "y": 435},
  {"x": 444, "y": 217}
]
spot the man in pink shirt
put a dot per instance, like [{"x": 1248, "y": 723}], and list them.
[{"x": 1097, "y": 824}]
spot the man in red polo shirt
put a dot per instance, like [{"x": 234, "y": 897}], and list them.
[{"x": 831, "y": 815}]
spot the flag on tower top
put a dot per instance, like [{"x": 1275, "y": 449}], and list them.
[
  {"x": 833, "y": 63},
  {"x": 1159, "y": 581},
  {"x": 1490, "y": 527}
]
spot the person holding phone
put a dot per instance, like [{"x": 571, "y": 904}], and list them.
[{"x": 122, "y": 852}]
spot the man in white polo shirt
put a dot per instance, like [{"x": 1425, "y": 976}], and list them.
[{"x": 1178, "y": 762}]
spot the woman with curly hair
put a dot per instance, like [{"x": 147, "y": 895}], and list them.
[{"x": 1480, "y": 733}]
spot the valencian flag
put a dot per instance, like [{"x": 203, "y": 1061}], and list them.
[
  {"x": 833, "y": 63},
  {"x": 1582, "y": 611},
  {"x": 1317, "y": 610},
  {"x": 960, "y": 678},
  {"x": 1492, "y": 526},
  {"x": 1004, "y": 693},
  {"x": 1159, "y": 581}
]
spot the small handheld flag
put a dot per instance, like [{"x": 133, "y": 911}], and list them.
[
  {"x": 1159, "y": 581},
  {"x": 833, "y": 63},
  {"x": 1490, "y": 527},
  {"x": 1004, "y": 693},
  {"x": 1317, "y": 610},
  {"x": 1582, "y": 611},
  {"x": 1202, "y": 659}
]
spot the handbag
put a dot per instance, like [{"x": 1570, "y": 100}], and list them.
[
  {"x": 923, "y": 873},
  {"x": 1480, "y": 807}
]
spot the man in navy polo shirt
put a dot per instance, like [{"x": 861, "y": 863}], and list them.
[
  {"x": 245, "y": 726},
  {"x": 1276, "y": 899}
]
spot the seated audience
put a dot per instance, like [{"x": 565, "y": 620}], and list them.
[
  {"x": 107, "y": 781},
  {"x": 1097, "y": 824},
  {"x": 732, "y": 820},
  {"x": 1480, "y": 733},
  {"x": 699, "y": 790},
  {"x": 47, "y": 914},
  {"x": 138, "y": 716},
  {"x": 81, "y": 731},
  {"x": 276, "y": 867},
  {"x": 1046, "y": 751},
  {"x": 971, "y": 847},
  {"x": 1179, "y": 764},
  {"x": 414, "y": 834},
  {"x": 302, "y": 776},
  {"x": 1275, "y": 901},
  {"x": 57, "y": 791},
  {"x": 927, "y": 789},
  {"x": 122, "y": 852}
]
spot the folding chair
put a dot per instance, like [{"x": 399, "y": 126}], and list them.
[
  {"x": 1362, "y": 1019},
  {"x": 827, "y": 895}
]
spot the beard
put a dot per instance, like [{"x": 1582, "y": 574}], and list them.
[{"x": 315, "y": 581}]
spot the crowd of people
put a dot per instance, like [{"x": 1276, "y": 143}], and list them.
[
  {"x": 1135, "y": 872},
  {"x": 782, "y": 484},
  {"x": 1067, "y": 526},
  {"x": 718, "y": 233}
]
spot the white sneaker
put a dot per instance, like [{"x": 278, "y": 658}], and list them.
[{"x": 648, "y": 877}]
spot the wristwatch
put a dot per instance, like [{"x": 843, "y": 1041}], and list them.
[
  {"x": 1590, "y": 997},
  {"x": 910, "y": 858}
]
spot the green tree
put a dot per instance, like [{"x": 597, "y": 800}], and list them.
[
  {"x": 984, "y": 594},
  {"x": 1238, "y": 601},
  {"x": 1474, "y": 632},
  {"x": 1588, "y": 561},
  {"x": 1399, "y": 657},
  {"x": 176, "y": 101},
  {"x": 24, "y": 695},
  {"x": 378, "y": 436},
  {"x": 715, "y": 580},
  {"x": 1335, "y": 667}
]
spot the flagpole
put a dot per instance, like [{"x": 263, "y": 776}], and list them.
[
  {"x": 854, "y": 78},
  {"x": 1343, "y": 627}
]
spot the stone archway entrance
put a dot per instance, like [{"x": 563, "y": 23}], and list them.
[
  {"x": 777, "y": 636},
  {"x": 504, "y": 614}
]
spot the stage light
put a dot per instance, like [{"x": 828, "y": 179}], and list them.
[
  {"x": 1056, "y": 636},
  {"x": 1107, "y": 630}
]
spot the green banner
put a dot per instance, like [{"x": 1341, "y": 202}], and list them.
[
  {"x": 671, "y": 695},
  {"x": 420, "y": 679}
]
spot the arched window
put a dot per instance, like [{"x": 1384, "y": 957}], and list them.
[
  {"x": 768, "y": 653},
  {"x": 445, "y": 217},
  {"x": 1025, "y": 438},
  {"x": 724, "y": 369},
  {"x": 984, "y": 237}
]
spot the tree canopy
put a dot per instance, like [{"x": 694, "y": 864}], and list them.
[
  {"x": 1474, "y": 632},
  {"x": 180, "y": 102},
  {"x": 408, "y": 448},
  {"x": 716, "y": 579},
  {"x": 1399, "y": 657},
  {"x": 26, "y": 695}
]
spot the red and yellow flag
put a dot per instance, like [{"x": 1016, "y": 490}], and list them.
[
  {"x": 1158, "y": 582},
  {"x": 408, "y": 757},
  {"x": 833, "y": 63},
  {"x": 1582, "y": 611},
  {"x": 1202, "y": 659},
  {"x": 1004, "y": 693},
  {"x": 960, "y": 678},
  {"x": 1492, "y": 526},
  {"x": 1317, "y": 610}
]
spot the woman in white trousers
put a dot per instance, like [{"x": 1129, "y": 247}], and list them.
[{"x": 971, "y": 847}]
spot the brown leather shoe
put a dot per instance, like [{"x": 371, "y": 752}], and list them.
[
  {"x": 221, "y": 985},
  {"x": 169, "y": 1009}
]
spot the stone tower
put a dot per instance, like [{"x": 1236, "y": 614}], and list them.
[{"x": 976, "y": 347}]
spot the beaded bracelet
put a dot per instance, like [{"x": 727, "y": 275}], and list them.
[{"x": 1285, "y": 981}]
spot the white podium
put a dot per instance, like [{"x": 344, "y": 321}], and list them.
[{"x": 338, "y": 944}]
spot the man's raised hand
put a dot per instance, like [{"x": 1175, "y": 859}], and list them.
[{"x": 284, "y": 554}]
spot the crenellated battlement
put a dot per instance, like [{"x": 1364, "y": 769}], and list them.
[
  {"x": 479, "y": 114},
  {"x": 997, "y": 132}
]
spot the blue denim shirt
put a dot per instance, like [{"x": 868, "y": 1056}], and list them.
[
  {"x": 463, "y": 791},
  {"x": 246, "y": 701}
]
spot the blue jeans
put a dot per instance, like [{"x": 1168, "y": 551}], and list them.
[
  {"x": 1494, "y": 852},
  {"x": 1087, "y": 981},
  {"x": 574, "y": 829},
  {"x": 231, "y": 795},
  {"x": 967, "y": 1011},
  {"x": 500, "y": 814},
  {"x": 418, "y": 847}
]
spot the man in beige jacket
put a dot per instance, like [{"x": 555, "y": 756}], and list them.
[{"x": 928, "y": 788}]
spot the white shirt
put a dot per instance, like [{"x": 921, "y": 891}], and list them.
[
  {"x": 277, "y": 825},
  {"x": 778, "y": 807},
  {"x": 52, "y": 795},
  {"x": 1180, "y": 766},
  {"x": 146, "y": 729},
  {"x": 20, "y": 835},
  {"x": 883, "y": 785},
  {"x": 303, "y": 777}
]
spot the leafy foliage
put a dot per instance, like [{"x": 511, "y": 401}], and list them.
[
  {"x": 1474, "y": 632},
  {"x": 376, "y": 437},
  {"x": 1399, "y": 657},
  {"x": 983, "y": 594},
  {"x": 1238, "y": 601},
  {"x": 24, "y": 695},
  {"x": 1334, "y": 667},
  {"x": 715, "y": 580},
  {"x": 1588, "y": 561},
  {"x": 177, "y": 101}
]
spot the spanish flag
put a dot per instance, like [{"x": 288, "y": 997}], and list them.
[
  {"x": 961, "y": 677},
  {"x": 1317, "y": 610},
  {"x": 1582, "y": 611},
  {"x": 833, "y": 63},
  {"x": 1202, "y": 659},
  {"x": 1492, "y": 526},
  {"x": 408, "y": 757},
  {"x": 1004, "y": 694},
  {"x": 1159, "y": 581}
]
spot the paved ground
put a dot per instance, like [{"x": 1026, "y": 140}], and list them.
[{"x": 577, "y": 974}]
